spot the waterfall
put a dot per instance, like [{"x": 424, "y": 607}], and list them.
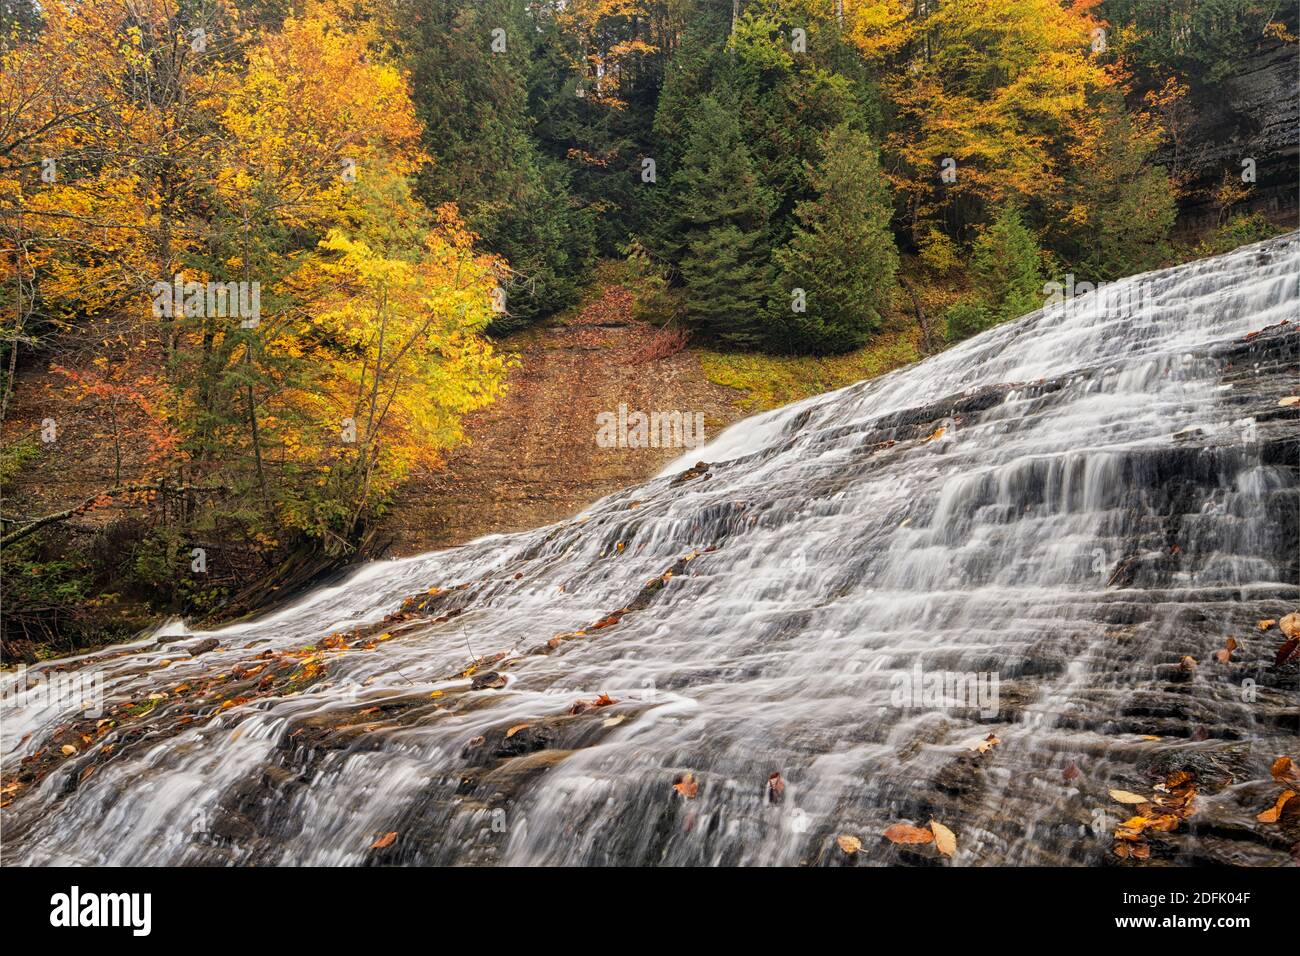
[{"x": 1024, "y": 536}]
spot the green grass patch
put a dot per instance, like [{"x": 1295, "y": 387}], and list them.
[{"x": 768, "y": 381}]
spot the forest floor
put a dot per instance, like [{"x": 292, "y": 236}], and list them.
[{"x": 532, "y": 457}]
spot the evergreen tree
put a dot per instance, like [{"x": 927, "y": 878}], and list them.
[
  {"x": 721, "y": 236},
  {"x": 842, "y": 253},
  {"x": 1006, "y": 269},
  {"x": 1129, "y": 203},
  {"x": 473, "y": 102}
]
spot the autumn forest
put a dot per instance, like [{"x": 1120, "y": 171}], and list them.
[{"x": 262, "y": 258}]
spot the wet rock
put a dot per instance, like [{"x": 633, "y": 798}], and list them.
[
  {"x": 203, "y": 646},
  {"x": 695, "y": 471},
  {"x": 962, "y": 777},
  {"x": 489, "y": 680},
  {"x": 523, "y": 741}
]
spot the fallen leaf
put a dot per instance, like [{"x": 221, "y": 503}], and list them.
[
  {"x": 1288, "y": 400},
  {"x": 1187, "y": 663},
  {"x": 67, "y": 750},
  {"x": 849, "y": 844},
  {"x": 515, "y": 729},
  {"x": 687, "y": 786},
  {"x": 1284, "y": 770},
  {"x": 1164, "y": 822},
  {"x": 1286, "y": 651},
  {"x": 1265, "y": 625},
  {"x": 1290, "y": 625},
  {"x": 945, "y": 840},
  {"x": 1126, "y": 796},
  {"x": 1224, "y": 654},
  {"x": 988, "y": 743},
  {"x": 1272, "y": 814},
  {"x": 1070, "y": 772},
  {"x": 905, "y": 833},
  {"x": 936, "y": 434},
  {"x": 613, "y": 721},
  {"x": 388, "y": 839},
  {"x": 775, "y": 787}
]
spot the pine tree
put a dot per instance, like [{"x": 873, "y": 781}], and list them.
[
  {"x": 842, "y": 253},
  {"x": 721, "y": 237}
]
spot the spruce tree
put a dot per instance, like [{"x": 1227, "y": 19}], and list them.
[
  {"x": 721, "y": 237},
  {"x": 1006, "y": 269},
  {"x": 841, "y": 255}
]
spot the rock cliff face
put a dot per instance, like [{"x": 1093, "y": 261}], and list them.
[{"x": 1253, "y": 114}]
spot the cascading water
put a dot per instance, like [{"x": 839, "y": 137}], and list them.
[{"x": 1062, "y": 508}]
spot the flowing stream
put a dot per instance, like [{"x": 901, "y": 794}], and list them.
[{"x": 1023, "y": 536}]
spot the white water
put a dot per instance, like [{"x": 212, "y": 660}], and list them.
[{"x": 840, "y": 564}]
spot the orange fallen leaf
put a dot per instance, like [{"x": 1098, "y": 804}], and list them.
[
  {"x": 905, "y": 833},
  {"x": 388, "y": 839},
  {"x": 515, "y": 729},
  {"x": 1284, "y": 770},
  {"x": 1290, "y": 625},
  {"x": 1265, "y": 625},
  {"x": 1225, "y": 653},
  {"x": 687, "y": 786},
  {"x": 983, "y": 746},
  {"x": 849, "y": 844},
  {"x": 1272, "y": 814},
  {"x": 944, "y": 839}
]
